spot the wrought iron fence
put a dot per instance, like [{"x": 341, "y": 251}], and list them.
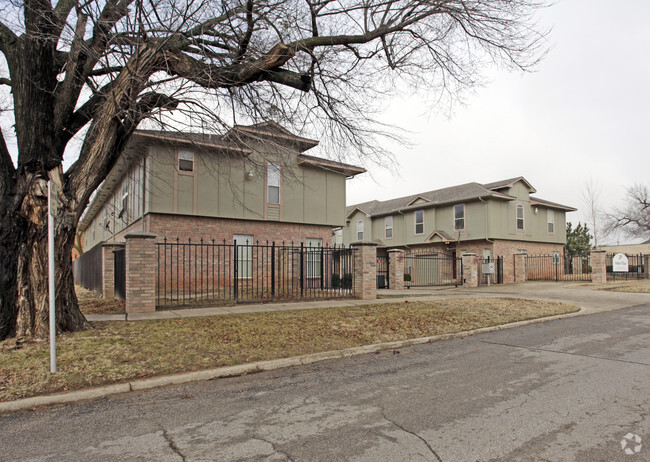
[
  {"x": 558, "y": 267},
  {"x": 209, "y": 272},
  {"x": 382, "y": 272},
  {"x": 87, "y": 269},
  {"x": 496, "y": 277},
  {"x": 427, "y": 269},
  {"x": 637, "y": 268}
]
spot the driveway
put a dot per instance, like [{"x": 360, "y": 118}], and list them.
[{"x": 566, "y": 390}]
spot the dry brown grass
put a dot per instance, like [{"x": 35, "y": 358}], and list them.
[
  {"x": 91, "y": 303},
  {"x": 642, "y": 287},
  {"x": 121, "y": 351}
]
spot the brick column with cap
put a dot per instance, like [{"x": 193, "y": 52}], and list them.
[
  {"x": 470, "y": 270},
  {"x": 141, "y": 267},
  {"x": 520, "y": 267},
  {"x": 365, "y": 270},
  {"x": 598, "y": 267},
  {"x": 396, "y": 269},
  {"x": 108, "y": 268}
]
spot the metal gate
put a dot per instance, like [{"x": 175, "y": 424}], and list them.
[
  {"x": 119, "y": 270},
  {"x": 427, "y": 269},
  {"x": 382, "y": 272},
  {"x": 558, "y": 267}
]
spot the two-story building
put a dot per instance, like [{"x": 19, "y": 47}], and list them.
[
  {"x": 253, "y": 184},
  {"x": 491, "y": 220}
]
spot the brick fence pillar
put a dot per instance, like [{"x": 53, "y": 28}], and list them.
[
  {"x": 396, "y": 269},
  {"x": 365, "y": 270},
  {"x": 598, "y": 267},
  {"x": 108, "y": 269},
  {"x": 141, "y": 267},
  {"x": 470, "y": 270},
  {"x": 520, "y": 267}
]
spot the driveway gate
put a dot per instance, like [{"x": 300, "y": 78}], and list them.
[
  {"x": 427, "y": 269},
  {"x": 382, "y": 272}
]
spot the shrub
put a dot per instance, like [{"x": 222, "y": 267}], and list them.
[{"x": 407, "y": 277}]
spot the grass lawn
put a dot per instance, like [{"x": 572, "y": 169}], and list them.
[
  {"x": 115, "y": 352},
  {"x": 641, "y": 286}
]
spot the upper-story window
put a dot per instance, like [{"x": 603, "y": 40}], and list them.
[
  {"x": 520, "y": 217},
  {"x": 360, "y": 230},
  {"x": 459, "y": 217},
  {"x": 388, "y": 224},
  {"x": 550, "y": 221},
  {"x": 419, "y": 222},
  {"x": 185, "y": 160},
  {"x": 273, "y": 183}
]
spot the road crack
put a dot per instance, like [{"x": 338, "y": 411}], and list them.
[
  {"x": 435, "y": 454},
  {"x": 172, "y": 445},
  {"x": 275, "y": 449}
]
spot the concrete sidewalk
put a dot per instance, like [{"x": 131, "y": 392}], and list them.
[{"x": 591, "y": 299}]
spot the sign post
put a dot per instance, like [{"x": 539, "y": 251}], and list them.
[{"x": 51, "y": 210}]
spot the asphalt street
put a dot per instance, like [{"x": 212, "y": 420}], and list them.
[{"x": 565, "y": 390}]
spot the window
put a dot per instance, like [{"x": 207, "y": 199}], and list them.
[
  {"x": 520, "y": 217},
  {"x": 185, "y": 160},
  {"x": 313, "y": 251},
  {"x": 244, "y": 255},
  {"x": 419, "y": 222},
  {"x": 550, "y": 221},
  {"x": 459, "y": 216},
  {"x": 273, "y": 183},
  {"x": 360, "y": 230},
  {"x": 338, "y": 236},
  {"x": 556, "y": 257},
  {"x": 125, "y": 201},
  {"x": 388, "y": 223}
]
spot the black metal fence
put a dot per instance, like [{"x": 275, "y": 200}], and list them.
[
  {"x": 87, "y": 269},
  {"x": 382, "y": 272},
  {"x": 209, "y": 272},
  {"x": 494, "y": 278},
  {"x": 427, "y": 269},
  {"x": 637, "y": 268},
  {"x": 119, "y": 271},
  {"x": 558, "y": 267}
]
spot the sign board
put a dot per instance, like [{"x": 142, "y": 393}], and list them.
[
  {"x": 619, "y": 263},
  {"x": 488, "y": 268}
]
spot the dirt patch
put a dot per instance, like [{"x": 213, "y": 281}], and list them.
[
  {"x": 116, "y": 352},
  {"x": 641, "y": 287}
]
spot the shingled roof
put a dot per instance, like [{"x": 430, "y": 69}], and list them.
[{"x": 453, "y": 194}]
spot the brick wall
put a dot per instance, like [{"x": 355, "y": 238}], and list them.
[
  {"x": 365, "y": 271},
  {"x": 140, "y": 272}
]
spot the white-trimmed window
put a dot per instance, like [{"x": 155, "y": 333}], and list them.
[
  {"x": 550, "y": 221},
  {"x": 313, "y": 251},
  {"x": 459, "y": 217},
  {"x": 360, "y": 230},
  {"x": 388, "y": 225},
  {"x": 520, "y": 217},
  {"x": 185, "y": 160},
  {"x": 419, "y": 222},
  {"x": 338, "y": 236},
  {"x": 244, "y": 255},
  {"x": 273, "y": 183}
]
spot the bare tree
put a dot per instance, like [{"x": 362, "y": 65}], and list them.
[
  {"x": 591, "y": 198},
  {"x": 93, "y": 70},
  {"x": 633, "y": 218}
]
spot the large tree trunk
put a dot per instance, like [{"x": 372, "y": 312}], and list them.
[{"x": 25, "y": 305}]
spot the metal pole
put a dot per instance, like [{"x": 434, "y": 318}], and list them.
[{"x": 50, "y": 242}]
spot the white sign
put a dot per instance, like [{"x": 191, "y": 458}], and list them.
[{"x": 619, "y": 263}]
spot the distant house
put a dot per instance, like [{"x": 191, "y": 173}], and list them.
[
  {"x": 491, "y": 220},
  {"x": 630, "y": 249},
  {"x": 253, "y": 184}
]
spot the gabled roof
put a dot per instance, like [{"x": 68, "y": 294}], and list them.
[
  {"x": 326, "y": 164},
  {"x": 270, "y": 131},
  {"x": 443, "y": 236},
  {"x": 464, "y": 192},
  {"x": 509, "y": 183},
  {"x": 549, "y": 204},
  {"x": 454, "y": 194}
]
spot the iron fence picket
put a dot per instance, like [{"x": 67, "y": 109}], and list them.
[{"x": 427, "y": 269}]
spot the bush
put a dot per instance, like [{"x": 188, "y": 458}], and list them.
[
  {"x": 347, "y": 281},
  {"x": 407, "y": 277},
  {"x": 336, "y": 280}
]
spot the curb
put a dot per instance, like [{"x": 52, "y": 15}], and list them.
[{"x": 242, "y": 369}]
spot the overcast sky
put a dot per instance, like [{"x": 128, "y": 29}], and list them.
[{"x": 583, "y": 113}]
